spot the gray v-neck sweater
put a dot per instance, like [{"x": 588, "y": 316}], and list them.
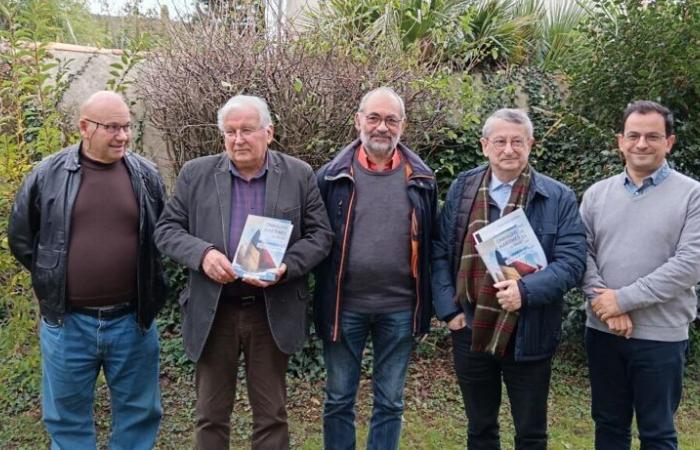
[{"x": 647, "y": 248}]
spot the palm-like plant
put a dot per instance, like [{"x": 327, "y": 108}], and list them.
[
  {"x": 464, "y": 34},
  {"x": 398, "y": 24},
  {"x": 493, "y": 33}
]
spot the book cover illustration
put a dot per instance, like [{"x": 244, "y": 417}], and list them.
[
  {"x": 509, "y": 247},
  {"x": 261, "y": 248}
]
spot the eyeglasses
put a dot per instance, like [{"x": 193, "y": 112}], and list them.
[
  {"x": 245, "y": 132},
  {"x": 650, "y": 138},
  {"x": 112, "y": 128},
  {"x": 373, "y": 120},
  {"x": 501, "y": 143}
]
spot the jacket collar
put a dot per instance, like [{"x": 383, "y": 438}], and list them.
[
  {"x": 272, "y": 162},
  {"x": 72, "y": 162},
  {"x": 538, "y": 183},
  {"x": 341, "y": 164}
]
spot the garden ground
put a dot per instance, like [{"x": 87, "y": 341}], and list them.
[{"x": 434, "y": 417}]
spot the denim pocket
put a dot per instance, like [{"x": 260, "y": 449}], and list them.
[{"x": 48, "y": 324}]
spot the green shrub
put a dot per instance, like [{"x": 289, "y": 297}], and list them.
[
  {"x": 30, "y": 128},
  {"x": 635, "y": 50}
]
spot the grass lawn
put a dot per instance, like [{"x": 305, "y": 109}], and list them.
[{"x": 434, "y": 417}]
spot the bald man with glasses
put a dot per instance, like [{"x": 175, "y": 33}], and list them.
[{"x": 82, "y": 223}]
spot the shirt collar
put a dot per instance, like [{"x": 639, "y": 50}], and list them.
[
  {"x": 495, "y": 183},
  {"x": 655, "y": 178},
  {"x": 261, "y": 173},
  {"x": 365, "y": 162}
]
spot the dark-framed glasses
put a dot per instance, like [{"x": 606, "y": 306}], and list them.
[{"x": 112, "y": 128}]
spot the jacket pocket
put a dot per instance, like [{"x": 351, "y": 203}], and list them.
[
  {"x": 184, "y": 297},
  {"x": 290, "y": 213},
  {"x": 46, "y": 259},
  {"x": 303, "y": 294},
  {"x": 546, "y": 233},
  {"x": 293, "y": 214}
]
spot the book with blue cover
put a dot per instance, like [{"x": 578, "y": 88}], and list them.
[{"x": 262, "y": 246}]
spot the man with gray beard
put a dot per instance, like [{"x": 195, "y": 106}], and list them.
[{"x": 382, "y": 201}]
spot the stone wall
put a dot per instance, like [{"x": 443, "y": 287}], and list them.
[{"x": 89, "y": 69}]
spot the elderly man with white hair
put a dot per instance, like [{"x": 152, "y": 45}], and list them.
[{"x": 224, "y": 315}]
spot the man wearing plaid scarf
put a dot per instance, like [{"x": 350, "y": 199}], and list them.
[{"x": 507, "y": 330}]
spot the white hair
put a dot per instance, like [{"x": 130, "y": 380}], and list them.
[
  {"x": 511, "y": 115},
  {"x": 240, "y": 101}
]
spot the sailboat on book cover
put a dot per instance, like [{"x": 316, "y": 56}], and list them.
[
  {"x": 262, "y": 246},
  {"x": 509, "y": 247}
]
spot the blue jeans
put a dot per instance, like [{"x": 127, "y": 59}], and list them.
[
  {"x": 71, "y": 357},
  {"x": 392, "y": 343},
  {"x": 634, "y": 375}
]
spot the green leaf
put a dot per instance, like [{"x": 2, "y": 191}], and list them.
[{"x": 298, "y": 85}]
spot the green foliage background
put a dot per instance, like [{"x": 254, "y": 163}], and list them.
[{"x": 574, "y": 70}]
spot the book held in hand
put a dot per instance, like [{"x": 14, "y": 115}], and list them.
[
  {"x": 261, "y": 248},
  {"x": 509, "y": 247}
]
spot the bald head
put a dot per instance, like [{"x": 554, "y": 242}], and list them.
[
  {"x": 102, "y": 102},
  {"x": 104, "y": 125}
]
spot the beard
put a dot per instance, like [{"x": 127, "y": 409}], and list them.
[{"x": 380, "y": 149}]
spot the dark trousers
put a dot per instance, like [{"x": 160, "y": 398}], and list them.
[
  {"x": 634, "y": 376},
  {"x": 479, "y": 376},
  {"x": 243, "y": 329}
]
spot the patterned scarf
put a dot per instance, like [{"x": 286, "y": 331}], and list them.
[{"x": 492, "y": 326}]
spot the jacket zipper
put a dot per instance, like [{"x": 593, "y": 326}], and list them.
[
  {"x": 415, "y": 311},
  {"x": 136, "y": 178},
  {"x": 343, "y": 251},
  {"x": 75, "y": 178},
  {"x": 418, "y": 259}
]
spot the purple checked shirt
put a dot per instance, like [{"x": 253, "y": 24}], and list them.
[{"x": 247, "y": 197}]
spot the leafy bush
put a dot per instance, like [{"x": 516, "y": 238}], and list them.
[
  {"x": 641, "y": 50},
  {"x": 313, "y": 89},
  {"x": 30, "y": 128}
]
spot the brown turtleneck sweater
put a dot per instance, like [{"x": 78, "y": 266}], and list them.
[{"x": 104, "y": 236}]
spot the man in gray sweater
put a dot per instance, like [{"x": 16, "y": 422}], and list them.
[
  {"x": 643, "y": 232},
  {"x": 381, "y": 200}
]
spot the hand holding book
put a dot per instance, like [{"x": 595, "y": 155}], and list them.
[
  {"x": 510, "y": 250},
  {"x": 217, "y": 267},
  {"x": 508, "y": 295},
  {"x": 263, "y": 284}
]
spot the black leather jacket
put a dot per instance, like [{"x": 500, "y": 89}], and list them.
[{"x": 39, "y": 230}]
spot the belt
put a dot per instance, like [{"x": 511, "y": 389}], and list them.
[
  {"x": 246, "y": 300},
  {"x": 108, "y": 313}
]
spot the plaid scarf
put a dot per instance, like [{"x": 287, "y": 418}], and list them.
[{"x": 492, "y": 326}]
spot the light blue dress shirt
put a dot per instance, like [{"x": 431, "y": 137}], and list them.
[
  {"x": 500, "y": 191},
  {"x": 652, "y": 180}
]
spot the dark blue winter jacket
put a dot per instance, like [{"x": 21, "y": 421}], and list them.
[
  {"x": 553, "y": 213},
  {"x": 337, "y": 188}
]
